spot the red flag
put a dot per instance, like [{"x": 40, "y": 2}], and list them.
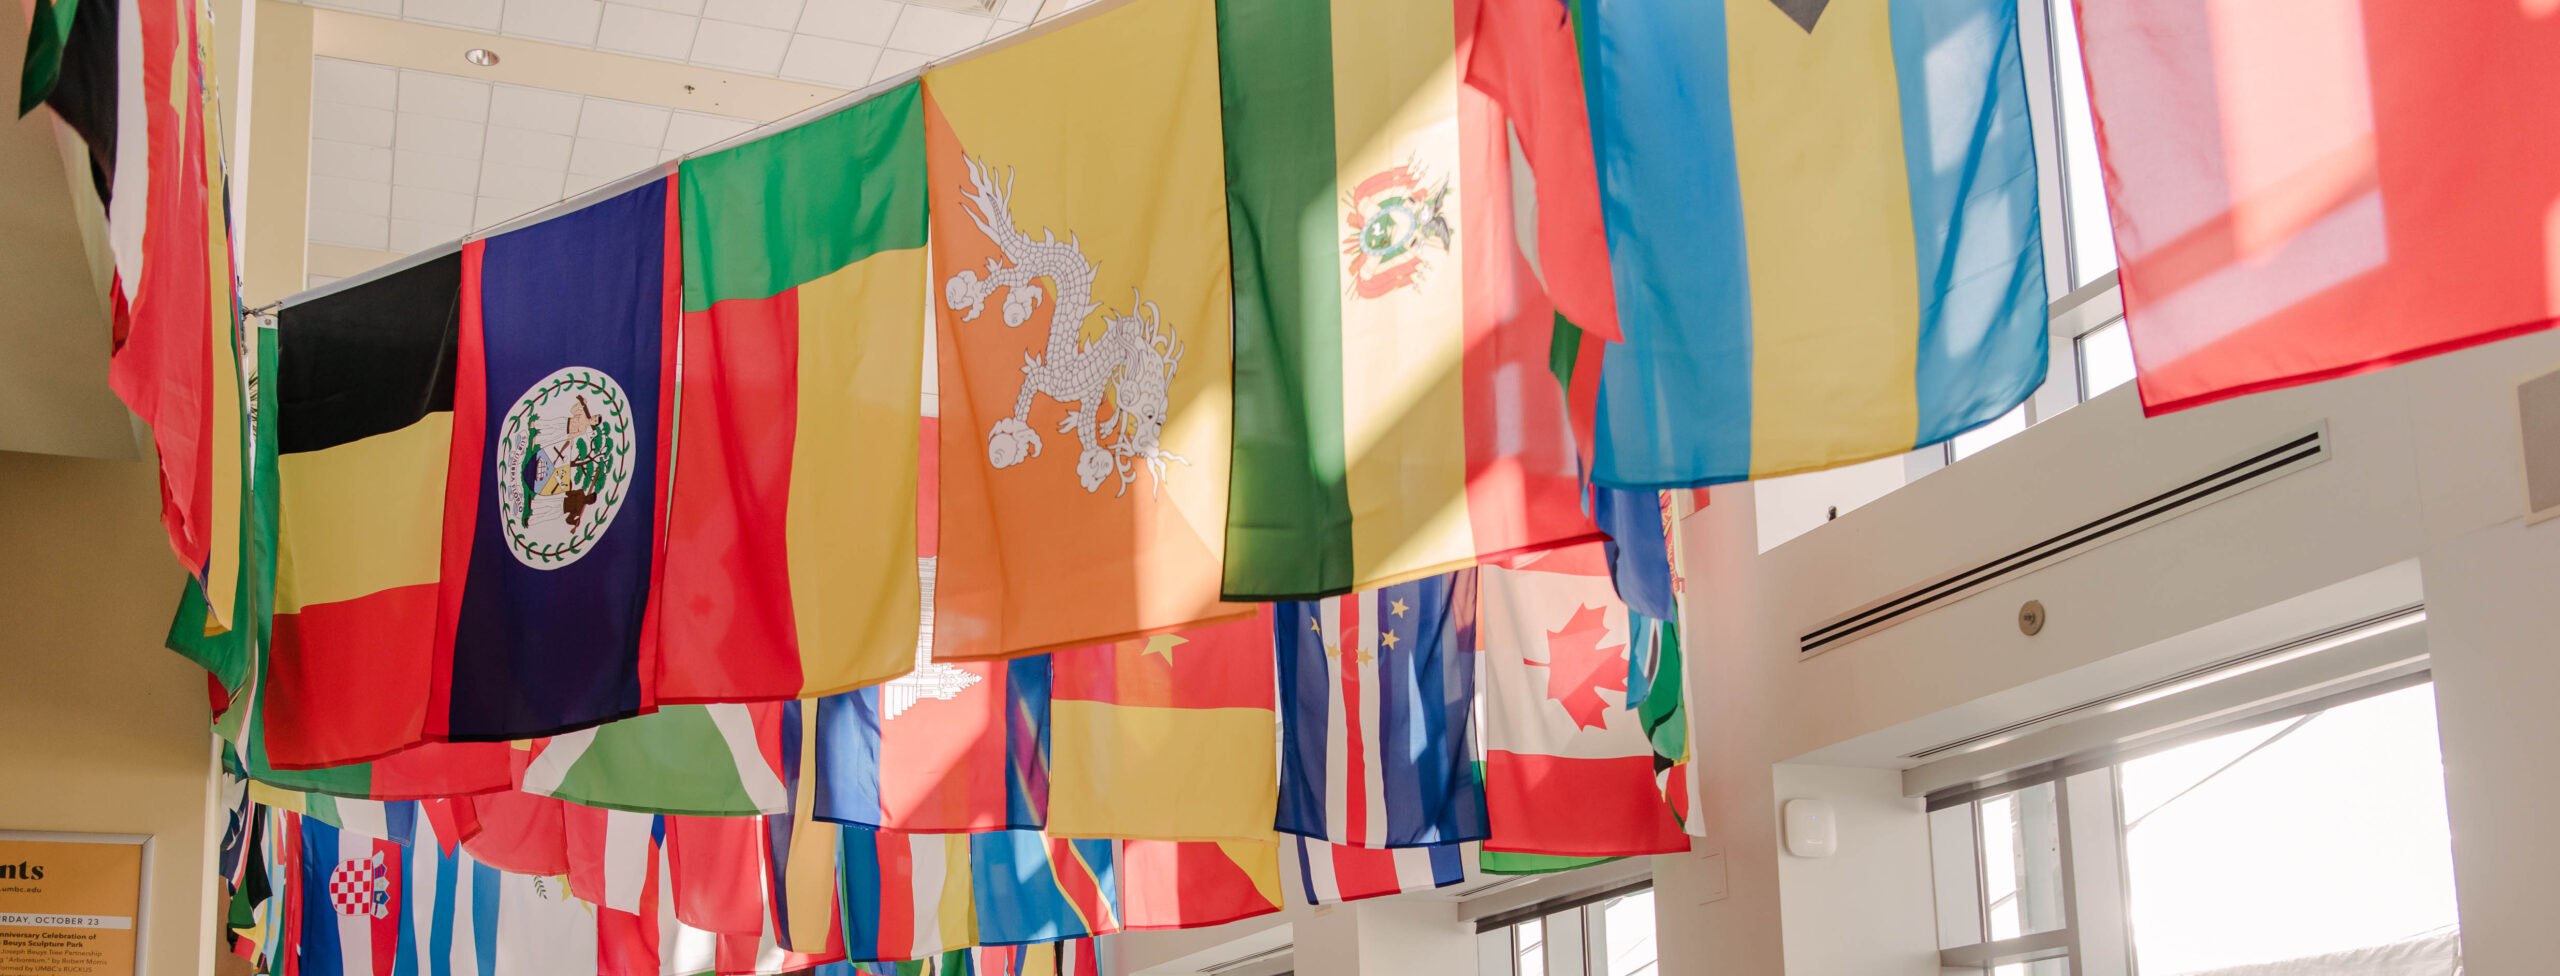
[
  {"x": 515, "y": 832},
  {"x": 1190, "y": 884},
  {"x": 1520, "y": 53},
  {"x": 712, "y": 863},
  {"x": 610, "y": 854},
  {"x": 2306, "y": 189}
]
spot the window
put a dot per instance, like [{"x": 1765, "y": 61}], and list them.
[
  {"x": 2106, "y": 358},
  {"x": 2093, "y": 243},
  {"x": 2312, "y": 840},
  {"x": 1605, "y": 935}
]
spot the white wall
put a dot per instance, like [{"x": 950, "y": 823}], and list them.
[
  {"x": 1866, "y": 908},
  {"x": 2424, "y": 469}
]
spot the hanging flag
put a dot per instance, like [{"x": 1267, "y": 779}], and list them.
[
  {"x": 610, "y": 854},
  {"x": 1084, "y": 422},
  {"x": 714, "y": 880},
  {"x": 1388, "y": 332},
  {"x": 790, "y": 565},
  {"x": 1194, "y": 884},
  {"x": 1822, "y": 221},
  {"x": 364, "y": 426},
  {"x": 542, "y": 931},
  {"x": 1335, "y": 873},
  {"x": 515, "y": 832},
  {"x": 1639, "y": 525},
  {"x": 701, "y": 760},
  {"x": 1378, "y": 737},
  {"x": 551, "y": 504},
  {"x": 764, "y": 953},
  {"x": 351, "y": 902},
  {"x": 1167, "y": 737},
  {"x": 450, "y": 927},
  {"x": 947, "y": 747},
  {"x": 906, "y": 896},
  {"x": 1568, "y": 769},
  {"x": 1662, "y": 709},
  {"x": 1034, "y": 888},
  {"x": 2307, "y": 191},
  {"x": 652, "y": 941},
  {"x": 799, "y": 862},
  {"x": 1521, "y": 55},
  {"x": 1503, "y": 862}
]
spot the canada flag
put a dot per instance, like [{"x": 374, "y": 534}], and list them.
[{"x": 1568, "y": 770}]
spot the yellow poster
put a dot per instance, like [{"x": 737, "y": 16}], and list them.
[{"x": 68, "y": 908}]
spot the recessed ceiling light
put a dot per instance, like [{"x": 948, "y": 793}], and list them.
[{"x": 481, "y": 56}]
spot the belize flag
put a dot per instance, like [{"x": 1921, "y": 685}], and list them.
[
  {"x": 1377, "y": 738},
  {"x": 351, "y": 895},
  {"x": 551, "y": 499}
]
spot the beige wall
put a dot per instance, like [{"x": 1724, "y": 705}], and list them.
[
  {"x": 105, "y": 732},
  {"x": 2424, "y": 474}
]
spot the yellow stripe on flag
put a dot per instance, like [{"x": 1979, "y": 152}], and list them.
[
  {"x": 1817, "y": 132},
  {"x": 226, "y": 445},
  {"x": 1161, "y": 773},
  {"x": 852, "y": 571},
  {"x": 361, "y": 517},
  {"x": 1395, "y": 105},
  {"x": 809, "y": 881},
  {"x": 958, "y": 913}
]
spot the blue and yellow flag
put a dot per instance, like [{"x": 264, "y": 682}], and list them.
[{"x": 1822, "y": 218}]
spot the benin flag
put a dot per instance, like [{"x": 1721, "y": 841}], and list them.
[
  {"x": 1193, "y": 884},
  {"x": 1391, "y": 421},
  {"x": 1170, "y": 737},
  {"x": 791, "y": 544},
  {"x": 1080, "y": 242}
]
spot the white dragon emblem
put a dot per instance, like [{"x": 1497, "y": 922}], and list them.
[{"x": 1130, "y": 365}]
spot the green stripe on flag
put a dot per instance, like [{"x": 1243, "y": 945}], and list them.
[
  {"x": 48, "y": 32},
  {"x": 1497, "y": 862},
  {"x": 1276, "y": 77},
  {"x": 768, "y": 216}
]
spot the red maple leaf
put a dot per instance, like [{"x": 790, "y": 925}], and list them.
[{"x": 1578, "y": 667}]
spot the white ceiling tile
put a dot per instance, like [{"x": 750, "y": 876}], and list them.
[
  {"x": 895, "y": 63},
  {"x": 492, "y": 211},
  {"x": 842, "y": 64},
  {"x": 687, "y": 131},
  {"x": 538, "y": 109},
  {"x": 364, "y": 198},
  {"x": 937, "y": 32},
  {"x": 349, "y": 229},
  {"x": 625, "y": 122},
  {"x": 440, "y": 137},
  {"x": 385, "y": 8},
  {"x": 429, "y": 206},
  {"x": 596, "y": 157},
  {"x": 519, "y": 147},
  {"x": 690, "y": 7},
  {"x": 859, "y": 21},
  {"x": 738, "y": 47},
  {"x": 346, "y": 160},
  {"x": 1016, "y": 11},
  {"x": 645, "y": 32},
  {"x": 354, "y": 83},
  {"x": 580, "y": 182},
  {"x": 411, "y": 236},
  {"x": 519, "y": 182},
  {"x": 443, "y": 96},
  {"x": 480, "y": 15},
  {"x": 351, "y": 123},
  {"x": 564, "y": 21},
  {"x": 777, "y": 14},
  {"x": 422, "y": 171}
]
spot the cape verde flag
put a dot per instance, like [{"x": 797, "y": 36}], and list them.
[
  {"x": 351, "y": 896},
  {"x": 552, "y": 500},
  {"x": 1377, "y": 690}
]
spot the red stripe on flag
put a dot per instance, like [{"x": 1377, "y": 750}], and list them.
[
  {"x": 1225, "y": 665},
  {"x": 386, "y": 926},
  {"x": 712, "y": 867},
  {"x": 1577, "y": 807},
  {"x": 443, "y": 769},
  {"x": 1186, "y": 884},
  {"x": 347, "y": 681},
  {"x": 898, "y": 908},
  {"x": 1355, "y": 765},
  {"x": 1360, "y": 872},
  {"x": 1081, "y": 888},
  {"x": 461, "y": 487},
  {"x": 726, "y": 628}
]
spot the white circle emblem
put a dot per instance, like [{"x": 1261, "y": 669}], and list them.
[{"x": 564, "y": 459}]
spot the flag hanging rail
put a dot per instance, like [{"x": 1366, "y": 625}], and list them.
[{"x": 1037, "y": 28}]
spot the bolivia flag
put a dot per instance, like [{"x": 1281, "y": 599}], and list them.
[
  {"x": 1192, "y": 884},
  {"x": 1392, "y": 419},
  {"x": 1167, "y": 737},
  {"x": 551, "y": 498},
  {"x": 698, "y": 760},
  {"x": 1035, "y": 888},
  {"x": 1081, "y": 249},
  {"x": 906, "y": 896},
  {"x": 1822, "y": 216},
  {"x": 791, "y": 539},
  {"x": 1567, "y": 767},
  {"x": 948, "y": 747}
]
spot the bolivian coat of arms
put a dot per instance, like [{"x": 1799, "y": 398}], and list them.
[{"x": 564, "y": 459}]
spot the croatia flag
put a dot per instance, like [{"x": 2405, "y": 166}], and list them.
[
  {"x": 1334, "y": 873},
  {"x": 1378, "y": 743},
  {"x": 352, "y": 889}
]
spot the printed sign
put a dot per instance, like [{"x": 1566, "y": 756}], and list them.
[{"x": 68, "y": 908}]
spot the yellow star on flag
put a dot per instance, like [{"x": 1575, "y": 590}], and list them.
[
  {"x": 1315, "y": 625},
  {"x": 1162, "y": 645},
  {"x": 1398, "y": 609},
  {"x": 1389, "y": 640}
]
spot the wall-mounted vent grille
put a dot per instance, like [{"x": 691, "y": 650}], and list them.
[
  {"x": 2292, "y": 454},
  {"x": 1240, "y": 962}
]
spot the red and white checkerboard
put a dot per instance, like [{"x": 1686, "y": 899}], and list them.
[{"x": 361, "y": 886}]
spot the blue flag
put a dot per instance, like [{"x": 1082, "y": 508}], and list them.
[
  {"x": 1377, "y": 694},
  {"x": 1034, "y": 888}
]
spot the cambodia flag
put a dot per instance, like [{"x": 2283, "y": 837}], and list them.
[
  {"x": 552, "y": 500},
  {"x": 958, "y": 747},
  {"x": 352, "y": 890}
]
